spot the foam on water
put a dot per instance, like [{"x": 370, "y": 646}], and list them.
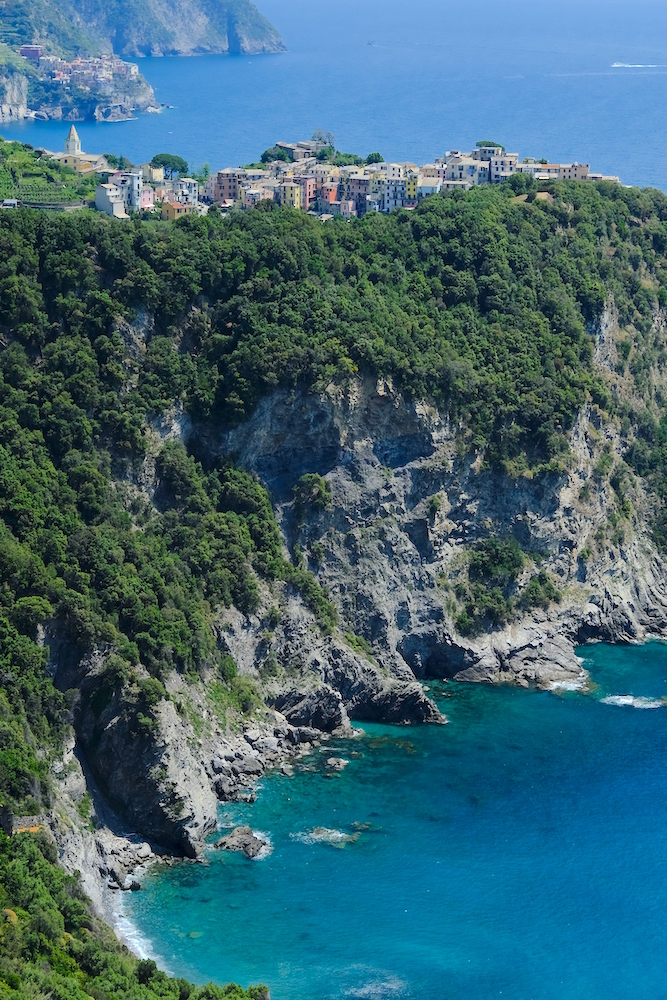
[
  {"x": 322, "y": 835},
  {"x": 623, "y": 700}
]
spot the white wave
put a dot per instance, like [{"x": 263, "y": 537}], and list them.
[
  {"x": 268, "y": 846},
  {"x": 627, "y": 700},
  {"x": 324, "y": 835},
  {"x": 570, "y": 685},
  {"x": 138, "y": 943},
  {"x": 622, "y": 65}
]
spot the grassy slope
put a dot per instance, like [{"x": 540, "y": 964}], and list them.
[
  {"x": 26, "y": 175},
  {"x": 55, "y": 25}
]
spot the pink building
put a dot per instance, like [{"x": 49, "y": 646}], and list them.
[
  {"x": 146, "y": 199},
  {"x": 308, "y": 190}
]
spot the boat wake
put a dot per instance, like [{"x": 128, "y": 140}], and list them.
[{"x": 622, "y": 65}]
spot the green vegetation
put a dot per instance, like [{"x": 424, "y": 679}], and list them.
[
  {"x": 29, "y": 176},
  {"x": 52, "y": 946},
  {"x": 118, "y": 162},
  {"x": 172, "y": 165},
  {"x": 312, "y": 490},
  {"x": 482, "y": 303},
  {"x": 274, "y": 153},
  {"x": 338, "y": 159},
  {"x": 489, "y": 594},
  {"x": 359, "y": 645}
]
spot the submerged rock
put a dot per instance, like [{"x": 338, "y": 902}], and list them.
[{"x": 337, "y": 763}]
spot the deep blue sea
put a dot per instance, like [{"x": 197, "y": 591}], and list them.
[
  {"x": 519, "y": 852},
  {"x": 538, "y": 77}
]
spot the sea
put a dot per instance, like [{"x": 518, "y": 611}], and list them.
[
  {"x": 519, "y": 852},
  {"x": 581, "y": 80}
]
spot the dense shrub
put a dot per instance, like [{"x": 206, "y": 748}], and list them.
[{"x": 51, "y": 945}]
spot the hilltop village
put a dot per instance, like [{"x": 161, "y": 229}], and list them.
[
  {"x": 308, "y": 176},
  {"x": 301, "y": 177}
]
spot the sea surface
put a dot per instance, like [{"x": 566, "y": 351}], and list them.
[
  {"x": 571, "y": 80},
  {"x": 518, "y": 852}
]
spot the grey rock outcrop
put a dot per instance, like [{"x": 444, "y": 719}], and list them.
[
  {"x": 145, "y": 766},
  {"x": 383, "y": 549},
  {"x": 243, "y": 839}
]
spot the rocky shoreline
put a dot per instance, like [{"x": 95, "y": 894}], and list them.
[
  {"x": 110, "y": 860},
  {"x": 405, "y": 510}
]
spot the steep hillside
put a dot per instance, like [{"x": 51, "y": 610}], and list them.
[
  {"x": 138, "y": 27},
  {"x": 262, "y": 476}
]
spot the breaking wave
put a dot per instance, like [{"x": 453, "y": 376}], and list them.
[
  {"x": 628, "y": 700},
  {"x": 324, "y": 835}
]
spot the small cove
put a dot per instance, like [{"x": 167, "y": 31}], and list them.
[{"x": 519, "y": 851}]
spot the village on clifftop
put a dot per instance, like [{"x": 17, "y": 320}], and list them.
[{"x": 301, "y": 177}]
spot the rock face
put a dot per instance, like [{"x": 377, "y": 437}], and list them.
[
  {"x": 144, "y": 765},
  {"x": 243, "y": 839},
  {"x": 405, "y": 510},
  {"x": 134, "y": 28},
  {"x": 14, "y": 101},
  {"x": 382, "y": 550}
]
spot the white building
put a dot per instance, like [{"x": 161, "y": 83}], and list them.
[
  {"x": 109, "y": 199},
  {"x": 125, "y": 192},
  {"x": 129, "y": 183},
  {"x": 468, "y": 168},
  {"x": 503, "y": 166},
  {"x": 427, "y": 186},
  {"x": 486, "y": 152},
  {"x": 184, "y": 190},
  {"x": 395, "y": 194}
]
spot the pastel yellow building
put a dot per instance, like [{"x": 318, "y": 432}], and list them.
[
  {"x": 174, "y": 210},
  {"x": 411, "y": 182},
  {"x": 291, "y": 194}
]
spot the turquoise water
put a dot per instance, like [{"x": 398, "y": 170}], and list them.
[
  {"x": 520, "y": 851},
  {"x": 537, "y": 77}
]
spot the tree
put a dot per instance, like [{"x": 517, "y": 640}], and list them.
[
  {"x": 319, "y": 135},
  {"x": 483, "y": 143},
  {"x": 171, "y": 164},
  {"x": 275, "y": 153},
  {"x": 375, "y": 158},
  {"x": 118, "y": 162},
  {"x": 202, "y": 173}
]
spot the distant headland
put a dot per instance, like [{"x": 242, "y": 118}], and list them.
[{"x": 68, "y": 58}]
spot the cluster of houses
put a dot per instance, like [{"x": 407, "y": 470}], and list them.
[
  {"x": 307, "y": 183},
  {"x": 84, "y": 73},
  {"x": 124, "y": 191}
]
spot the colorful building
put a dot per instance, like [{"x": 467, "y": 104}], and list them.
[
  {"x": 175, "y": 210},
  {"x": 290, "y": 193}
]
